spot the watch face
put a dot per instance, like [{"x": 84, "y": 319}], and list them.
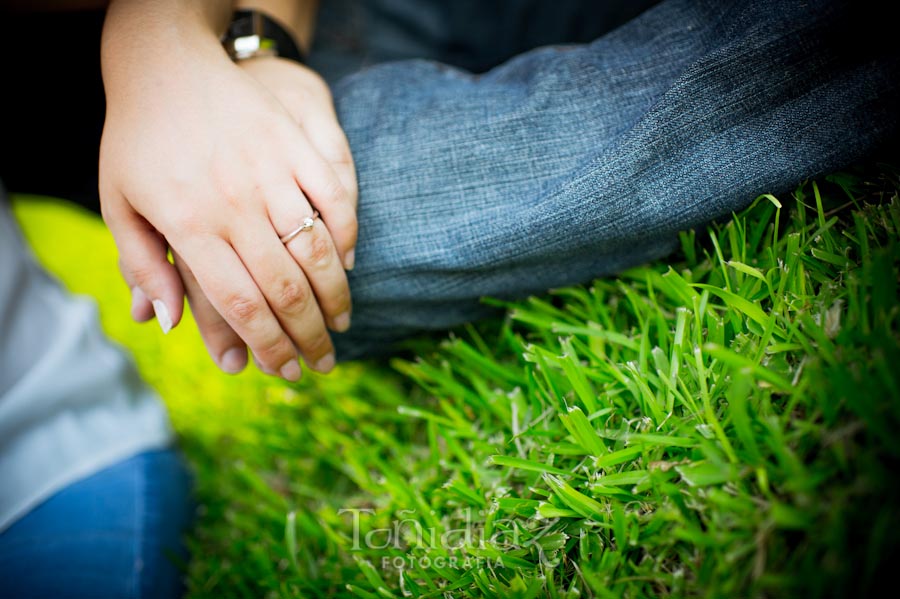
[
  {"x": 252, "y": 33},
  {"x": 250, "y": 46}
]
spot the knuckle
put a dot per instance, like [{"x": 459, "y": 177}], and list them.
[
  {"x": 141, "y": 274},
  {"x": 184, "y": 222},
  {"x": 320, "y": 250},
  {"x": 190, "y": 223},
  {"x": 343, "y": 155},
  {"x": 240, "y": 308},
  {"x": 332, "y": 191},
  {"x": 218, "y": 335},
  {"x": 340, "y": 299},
  {"x": 227, "y": 190},
  {"x": 318, "y": 346},
  {"x": 276, "y": 351},
  {"x": 291, "y": 296},
  {"x": 337, "y": 152}
]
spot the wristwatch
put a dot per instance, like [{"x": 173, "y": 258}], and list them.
[{"x": 252, "y": 34}]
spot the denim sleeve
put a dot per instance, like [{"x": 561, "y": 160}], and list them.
[{"x": 572, "y": 162}]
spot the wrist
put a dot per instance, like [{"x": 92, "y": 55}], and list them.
[{"x": 146, "y": 39}]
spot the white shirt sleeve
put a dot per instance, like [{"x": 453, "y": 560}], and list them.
[{"x": 71, "y": 403}]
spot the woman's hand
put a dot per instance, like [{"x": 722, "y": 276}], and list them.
[
  {"x": 199, "y": 157},
  {"x": 307, "y": 98}
]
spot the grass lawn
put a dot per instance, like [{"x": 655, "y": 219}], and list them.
[{"x": 724, "y": 423}]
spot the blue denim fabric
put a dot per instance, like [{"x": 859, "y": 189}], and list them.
[
  {"x": 572, "y": 162},
  {"x": 112, "y": 535},
  {"x": 475, "y": 35}
]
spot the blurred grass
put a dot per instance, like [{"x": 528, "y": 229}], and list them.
[{"x": 723, "y": 423}]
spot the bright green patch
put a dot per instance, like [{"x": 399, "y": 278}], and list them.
[{"x": 721, "y": 424}]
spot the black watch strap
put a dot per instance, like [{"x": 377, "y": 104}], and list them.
[{"x": 248, "y": 23}]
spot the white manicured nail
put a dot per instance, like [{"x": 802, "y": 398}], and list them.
[
  {"x": 162, "y": 316},
  {"x": 350, "y": 259}
]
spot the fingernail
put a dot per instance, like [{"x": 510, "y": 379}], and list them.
[
  {"x": 342, "y": 322},
  {"x": 137, "y": 298},
  {"x": 290, "y": 371},
  {"x": 233, "y": 360},
  {"x": 162, "y": 316},
  {"x": 350, "y": 259},
  {"x": 326, "y": 363}
]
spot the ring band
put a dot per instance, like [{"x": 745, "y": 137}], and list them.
[{"x": 308, "y": 223}]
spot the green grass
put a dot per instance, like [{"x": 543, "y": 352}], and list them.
[{"x": 723, "y": 423}]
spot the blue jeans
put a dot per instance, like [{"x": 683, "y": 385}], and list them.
[
  {"x": 571, "y": 162},
  {"x": 116, "y": 534}
]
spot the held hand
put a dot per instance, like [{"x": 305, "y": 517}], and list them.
[
  {"x": 199, "y": 157},
  {"x": 306, "y": 97}
]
